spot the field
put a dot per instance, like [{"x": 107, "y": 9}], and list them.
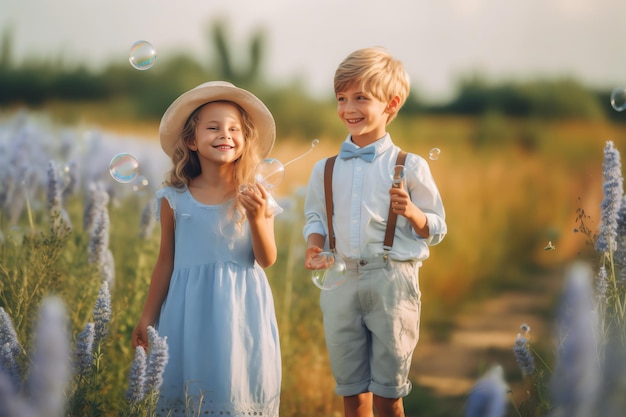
[{"x": 510, "y": 187}]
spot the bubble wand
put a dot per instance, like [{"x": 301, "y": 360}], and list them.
[{"x": 271, "y": 171}]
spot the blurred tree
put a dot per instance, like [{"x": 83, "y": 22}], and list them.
[
  {"x": 6, "y": 50},
  {"x": 224, "y": 62}
]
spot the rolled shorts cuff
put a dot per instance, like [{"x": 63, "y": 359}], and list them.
[
  {"x": 353, "y": 389},
  {"x": 390, "y": 392}
]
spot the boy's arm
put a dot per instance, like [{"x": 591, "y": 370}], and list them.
[
  {"x": 315, "y": 229},
  {"x": 420, "y": 202}
]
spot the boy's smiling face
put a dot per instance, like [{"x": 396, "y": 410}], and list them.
[{"x": 364, "y": 115}]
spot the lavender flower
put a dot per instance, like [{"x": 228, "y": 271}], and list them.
[
  {"x": 524, "y": 358},
  {"x": 84, "y": 349},
  {"x": 99, "y": 237},
  {"x": 157, "y": 359},
  {"x": 7, "y": 331},
  {"x": 9, "y": 350},
  {"x": 50, "y": 367},
  {"x": 137, "y": 378},
  {"x": 54, "y": 189},
  {"x": 148, "y": 220},
  {"x": 72, "y": 181},
  {"x": 9, "y": 366},
  {"x": 488, "y": 397},
  {"x": 613, "y": 190},
  {"x": 108, "y": 267},
  {"x": 97, "y": 198},
  {"x": 602, "y": 286},
  {"x": 620, "y": 251},
  {"x": 576, "y": 373},
  {"x": 102, "y": 314},
  {"x": 60, "y": 224},
  {"x": 613, "y": 402},
  {"x": 7, "y": 396}
]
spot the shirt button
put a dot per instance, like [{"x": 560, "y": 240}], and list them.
[{"x": 362, "y": 262}]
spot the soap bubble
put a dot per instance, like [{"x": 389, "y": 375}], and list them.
[
  {"x": 329, "y": 272},
  {"x": 142, "y": 55},
  {"x": 618, "y": 99},
  {"x": 270, "y": 173},
  {"x": 124, "y": 167},
  {"x": 397, "y": 176},
  {"x": 434, "y": 154}
]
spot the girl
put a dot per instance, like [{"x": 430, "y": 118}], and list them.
[{"x": 209, "y": 294}]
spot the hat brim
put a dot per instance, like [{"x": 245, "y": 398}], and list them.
[{"x": 178, "y": 112}]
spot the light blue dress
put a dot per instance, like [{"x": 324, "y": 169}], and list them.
[{"x": 218, "y": 317}]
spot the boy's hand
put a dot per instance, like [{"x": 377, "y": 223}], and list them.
[
  {"x": 309, "y": 257},
  {"x": 401, "y": 203}
]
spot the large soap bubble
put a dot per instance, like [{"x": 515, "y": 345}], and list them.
[{"x": 329, "y": 271}]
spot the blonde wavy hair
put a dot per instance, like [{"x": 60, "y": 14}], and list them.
[
  {"x": 186, "y": 164},
  {"x": 375, "y": 71}
]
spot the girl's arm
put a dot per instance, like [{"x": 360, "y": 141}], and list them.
[
  {"x": 255, "y": 201},
  {"x": 160, "y": 281}
]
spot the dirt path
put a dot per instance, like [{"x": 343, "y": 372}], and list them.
[{"x": 483, "y": 335}]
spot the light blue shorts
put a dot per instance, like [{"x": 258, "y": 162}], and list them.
[{"x": 371, "y": 324}]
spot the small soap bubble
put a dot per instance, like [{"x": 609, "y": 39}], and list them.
[
  {"x": 434, "y": 154},
  {"x": 124, "y": 167},
  {"x": 618, "y": 99},
  {"x": 142, "y": 55}
]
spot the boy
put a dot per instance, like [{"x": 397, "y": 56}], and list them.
[{"x": 371, "y": 322}]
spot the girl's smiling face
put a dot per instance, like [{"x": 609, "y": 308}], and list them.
[{"x": 219, "y": 133}]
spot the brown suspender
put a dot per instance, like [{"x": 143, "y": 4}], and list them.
[
  {"x": 391, "y": 219},
  {"x": 328, "y": 195}
]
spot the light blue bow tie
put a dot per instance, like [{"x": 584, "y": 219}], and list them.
[{"x": 349, "y": 151}]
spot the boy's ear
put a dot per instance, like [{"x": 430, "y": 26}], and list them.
[{"x": 393, "y": 105}]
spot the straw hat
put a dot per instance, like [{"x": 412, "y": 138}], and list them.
[{"x": 178, "y": 112}]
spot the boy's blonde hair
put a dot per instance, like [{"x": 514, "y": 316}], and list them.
[{"x": 377, "y": 72}]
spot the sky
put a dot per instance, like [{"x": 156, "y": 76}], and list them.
[{"x": 439, "y": 41}]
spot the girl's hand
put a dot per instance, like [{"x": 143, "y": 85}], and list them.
[
  {"x": 254, "y": 200},
  {"x": 140, "y": 336}
]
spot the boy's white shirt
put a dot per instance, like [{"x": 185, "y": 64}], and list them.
[{"x": 361, "y": 200}]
